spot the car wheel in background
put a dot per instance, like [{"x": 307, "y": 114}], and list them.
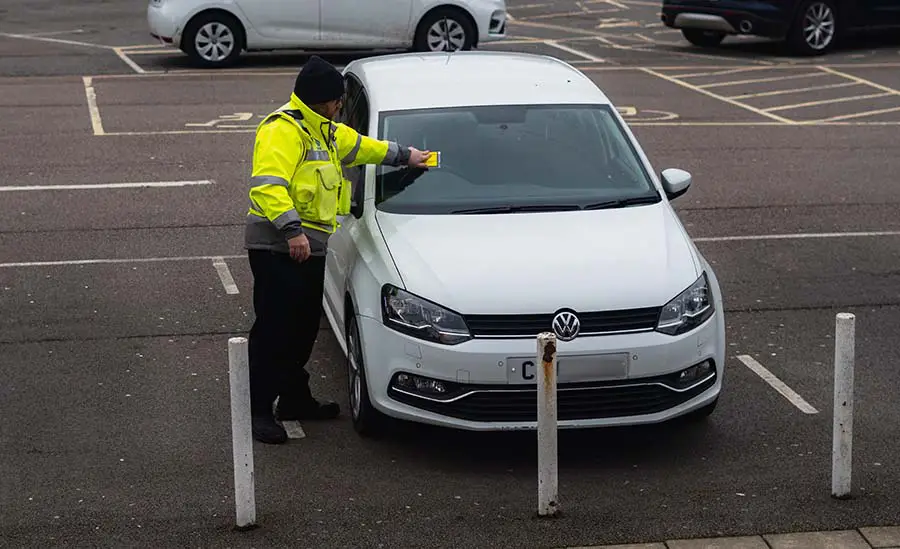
[
  {"x": 367, "y": 421},
  {"x": 445, "y": 29},
  {"x": 814, "y": 30},
  {"x": 703, "y": 38},
  {"x": 213, "y": 39}
]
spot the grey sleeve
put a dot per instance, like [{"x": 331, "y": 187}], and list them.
[{"x": 397, "y": 155}]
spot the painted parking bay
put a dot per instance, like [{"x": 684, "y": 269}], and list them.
[{"x": 819, "y": 94}]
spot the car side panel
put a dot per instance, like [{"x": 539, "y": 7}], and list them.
[
  {"x": 283, "y": 23},
  {"x": 351, "y": 23}
]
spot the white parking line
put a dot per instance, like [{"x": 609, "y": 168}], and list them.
[
  {"x": 93, "y": 110},
  {"x": 75, "y": 262},
  {"x": 796, "y": 236},
  {"x": 777, "y": 384},
  {"x": 225, "y": 276},
  {"x": 148, "y": 184},
  {"x": 573, "y": 51},
  {"x": 55, "y": 40}
]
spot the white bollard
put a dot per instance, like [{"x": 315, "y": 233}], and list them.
[
  {"x": 548, "y": 459},
  {"x": 842, "y": 444},
  {"x": 241, "y": 433}
]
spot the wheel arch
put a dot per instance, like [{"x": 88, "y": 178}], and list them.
[
  {"x": 242, "y": 26},
  {"x": 451, "y": 7}
]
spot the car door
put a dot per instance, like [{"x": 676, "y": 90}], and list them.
[
  {"x": 882, "y": 13},
  {"x": 376, "y": 23},
  {"x": 342, "y": 251},
  {"x": 287, "y": 23}
]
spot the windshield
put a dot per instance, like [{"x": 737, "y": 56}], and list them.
[{"x": 497, "y": 159}]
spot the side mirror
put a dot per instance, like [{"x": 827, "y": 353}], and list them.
[{"x": 675, "y": 182}]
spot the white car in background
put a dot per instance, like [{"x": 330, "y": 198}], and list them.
[
  {"x": 544, "y": 214},
  {"x": 215, "y": 32}
]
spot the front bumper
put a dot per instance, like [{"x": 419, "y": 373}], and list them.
[
  {"x": 482, "y": 396},
  {"x": 731, "y": 17},
  {"x": 164, "y": 24},
  {"x": 491, "y": 20}
]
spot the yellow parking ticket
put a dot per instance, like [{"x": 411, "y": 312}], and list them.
[{"x": 434, "y": 161}]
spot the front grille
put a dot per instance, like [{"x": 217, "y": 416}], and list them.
[
  {"x": 574, "y": 401},
  {"x": 629, "y": 320}
]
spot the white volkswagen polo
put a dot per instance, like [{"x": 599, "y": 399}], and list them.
[{"x": 544, "y": 214}]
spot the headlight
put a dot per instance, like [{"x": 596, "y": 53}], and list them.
[
  {"x": 421, "y": 318},
  {"x": 687, "y": 311}
]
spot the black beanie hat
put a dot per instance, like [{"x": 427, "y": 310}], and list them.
[{"x": 319, "y": 82}]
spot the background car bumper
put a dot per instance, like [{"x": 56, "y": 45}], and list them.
[
  {"x": 492, "y": 22},
  {"x": 163, "y": 23},
  {"x": 764, "y": 19},
  {"x": 479, "y": 370}
]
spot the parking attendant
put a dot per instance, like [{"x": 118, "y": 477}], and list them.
[{"x": 544, "y": 214}]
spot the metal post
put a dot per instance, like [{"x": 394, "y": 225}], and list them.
[
  {"x": 842, "y": 444},
  {"x": 241, "y": 433},
  {"x": 548, "y": 491}
]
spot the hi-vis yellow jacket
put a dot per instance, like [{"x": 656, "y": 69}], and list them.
[{"x": 297, "y": 182}]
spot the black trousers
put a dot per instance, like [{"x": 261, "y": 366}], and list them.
[{"x": 287, "y": 299}]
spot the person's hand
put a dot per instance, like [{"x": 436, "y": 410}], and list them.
[
  {"x": 417, "y": 158},
  {"x": 299, "y": 247}
]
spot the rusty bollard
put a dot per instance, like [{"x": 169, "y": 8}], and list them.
[{"x": 548, "y": 487}]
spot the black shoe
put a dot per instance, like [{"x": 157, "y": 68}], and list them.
[
  {"x": 266, "y": 430},
  {"x": 316, "y": 410}
]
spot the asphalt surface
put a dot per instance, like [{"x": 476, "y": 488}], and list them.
[{"x": 114, "y": 401}]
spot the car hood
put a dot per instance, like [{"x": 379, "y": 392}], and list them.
[{"x": 540, "y": 262}]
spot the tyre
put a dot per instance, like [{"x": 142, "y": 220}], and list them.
[
  {"x": 445, "y": 29},
  {"x": 815, "y": 28},
  {"x": 213, "y": 39},
  {"x": 703, "y": 38},
  {"x": 367, "y": 421}
]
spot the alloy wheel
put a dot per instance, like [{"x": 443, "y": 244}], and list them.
[
  {"x": 818, "y": 26},
  {"x": 214, "y": 42},
  {"x": 354, "y": 373},
  {"x": 446, "y": 35}
]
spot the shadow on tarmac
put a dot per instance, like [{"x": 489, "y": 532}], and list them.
[
  {"x": 750, "y": 48},
  {"x": 607, "y": 448}
]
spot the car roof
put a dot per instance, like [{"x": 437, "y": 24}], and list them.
[{"x": 436, "y": 80}]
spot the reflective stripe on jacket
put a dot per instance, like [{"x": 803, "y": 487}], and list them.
[{"x": 297, "y": 180}]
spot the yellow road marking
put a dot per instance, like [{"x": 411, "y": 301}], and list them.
[
  {"x": 857, "y": 115},
  {"x": 719, "y": 97},
  {"x": 762, "y": 80},
  {"x": 859, "y": 80},
  {"x": 793, "y": 90},
  {"x": 827, "y": 102},
  {"x": 718, "y": 73}
]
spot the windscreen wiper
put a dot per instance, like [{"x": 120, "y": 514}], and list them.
[
  {"x": 621, "y": 203},
  {"x": 515, "y": 209}
]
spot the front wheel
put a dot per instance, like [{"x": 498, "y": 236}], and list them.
[
  {"x": 703, "y": 38},
  {"x": 814, "y": 31},
  {"x": 367, "y": 421},
  {"x": 445, "y": 30}
]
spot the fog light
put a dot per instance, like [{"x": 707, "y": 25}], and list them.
[
  {"x": 695, "y": 373},
  {"x": 420, "y": 384}
]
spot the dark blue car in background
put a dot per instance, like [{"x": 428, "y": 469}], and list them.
[{"x": 809, "y": 27}]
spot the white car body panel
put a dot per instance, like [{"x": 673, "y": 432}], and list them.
[
  {"x": 524, "y": 263},
  {"x": 317, "y": 24}
]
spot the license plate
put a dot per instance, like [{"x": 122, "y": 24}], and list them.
[{"x": 570, "y": 368}]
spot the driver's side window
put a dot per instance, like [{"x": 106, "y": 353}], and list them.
[{"x": 356, "y": 115}]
